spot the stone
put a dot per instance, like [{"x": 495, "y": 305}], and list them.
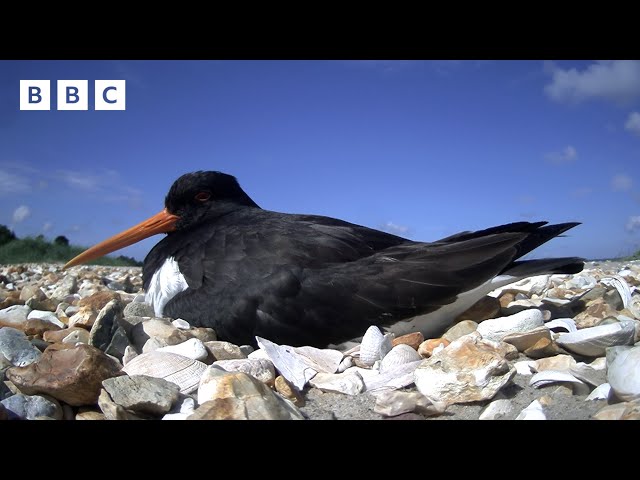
[
  {"x": 521, "y": 322},
  {"x": 181, "y": 324},
  {"x": 469, "y": 369},
  {"x": 561, "y": 363},
  {"x": 288, "y": 391},
  {"x": 106, "y": 332},
  {"x": 90, "y": 415},
  {"x": 45, "y": 304},
  {"x": 46, "y": 316},
  {"x": 526, "y": 340},
  {"x": 79, "y": 335},
  {"x": 460, "y": 329},
  {"x": 14, "y": 316},
  {"x": 111, "y": 410},
  {"x": 498, "y": 409},
  {"x": 68, "y": 286},
  {"x": 259, "y": 369},
  {"x": 523, "y": 367},
  {"x": 619, "y": 411},
  {"x": 203, "y": 334},
  {"x": 181, "y": 410},
  {"x": 192, "y": 348},
  {"x": 85, "y": 317},
  {"x": 391, "y": 403},
  {"x": 426, "y": 348},
  {"x": 142, "y": 394},
  {"x": 29, "y": 291},
  {"x": 412, "y": 339},
  {"x": 73, "y": 375},
  {"x": 32, "y": 406},
  {"x": 595, "y": 312},
  {"x": 238, "y": 396},
  {"x": 349, "y": 383},
  {"x": 16, "y": 347},
  {"x": 224, "y": 350},
  {"x": 506, "y": 298},
  {"x": 129, "y": 354},
  {"x": 485, "y": 308},
  {"x": 623, "y": 372},
  {"x": 544, "y": 347},
  {"x": 59, "y": 335},
  {"x": 159, "y": 330},
  {"x": 136, "y": 309}
]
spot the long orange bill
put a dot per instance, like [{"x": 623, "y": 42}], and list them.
[{"x": 162, "y": 222}]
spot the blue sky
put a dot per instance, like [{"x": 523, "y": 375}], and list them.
[{"x": 423, "y": 149}]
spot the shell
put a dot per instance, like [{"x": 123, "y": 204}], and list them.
[
  {"x": 593, "y": 341},
  {"x": 192, "y": 348},
  {"x": 399, "y": 355},
  {"x": 601, "y": 392},
  {"x": 533, "y": 412},
  {"x": 322, "y": 360},
  {"x": 623, "y": 372},
  {"x": 560, "y": 324},
  {"x": 622, "y": 286},
  {"x": 290, "y": 364},
  {"x": 374, "y": 346},
  {"x": 552, "y": 376},
  {"x": 184, "y": 372}
]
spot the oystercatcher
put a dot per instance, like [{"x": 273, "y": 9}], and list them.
[{"x": 295, "y": 279}]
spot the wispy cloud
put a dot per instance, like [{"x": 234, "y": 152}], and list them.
[
  {"x": 21, "y": 213},
  {"x": 394, "y": 228},
  {"x": 613, "y": 80},
  {"x": 567, "y": 155},
  {"x": 621, "y": 182},
  {"x": 633, "y": 223},
  {"x": 11, "y": 183},
  {"x": 47, "y": 227},
  {"x": 80, "y": 180},
  {"x": 633, "y": 123}
]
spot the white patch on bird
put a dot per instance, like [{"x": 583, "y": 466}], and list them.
[
  {"x": 165, "y": 284},
  {"x": 433, "y": 324}
]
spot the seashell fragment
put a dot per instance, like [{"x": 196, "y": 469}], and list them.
[
  {"x": 560, "y": 324},
  {"x": 534, "y": 411},
  {"x": 593, "y": 341},
  {"x": 399, "y": 355},
  {"x": 322, "y": 360},
  {"x": 601, "y": 392},
  {"x": 184, "y": 372},
  {"x": 623, "y": 372},
  {"x": 374, "y": 346},
  {"x": 290, "y": 364},
  {"x": 546, "y": 377},
  {"x": 621, "y": 285}
]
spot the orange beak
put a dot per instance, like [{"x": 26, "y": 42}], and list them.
[{"x": 162, "y": 222}]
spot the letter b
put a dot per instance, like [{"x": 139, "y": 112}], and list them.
[
  {"x": 35, "y": 95},
  {"x": 73, "y": 94}
]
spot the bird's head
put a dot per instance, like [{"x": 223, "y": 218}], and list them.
[{"x": 192, "y": 198}]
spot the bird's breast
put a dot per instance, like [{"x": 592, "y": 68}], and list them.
[{"x": 166, "y": 282}]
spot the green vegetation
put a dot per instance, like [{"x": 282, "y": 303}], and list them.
[{"x": 38, "y": 249}]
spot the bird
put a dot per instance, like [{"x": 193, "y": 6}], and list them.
[{"x": 302, "y": 279}]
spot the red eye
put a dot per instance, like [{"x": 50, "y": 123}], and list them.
[{"x": 203, "y": 196}]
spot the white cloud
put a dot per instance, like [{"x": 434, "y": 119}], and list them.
[
  {"x": 21, "y": 213},
  {"x": 633, "y": 223},
  {"x": 395, "y": 229},
  {"x": 79, "y": 180},
  {"x": 47, "y": 226},
  {"x": 11, "y": 183},
  {"x": 614, "y": 80},
  {"x": 621, "y": 182},
  {"x": 567, "y": 155},
  {"x": 633, "y": 123}
]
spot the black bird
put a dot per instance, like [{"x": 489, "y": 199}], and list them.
[{"x": 226, "y": 263}]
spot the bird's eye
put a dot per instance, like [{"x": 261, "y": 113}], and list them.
[{"x": 203, "y": 196}]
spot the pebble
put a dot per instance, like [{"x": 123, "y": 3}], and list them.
[
  {"x": 224, "y": 350},
  {"x": 469, "y": 369},
  {"x": 497, "y": 409},
  {"x": 260, "y": 369},
  {"x": 427, "y": 347},
  {"x": 288, "y": 391},
  {"x": 181, "y": 410},
  {"x": 348, "y": 382},
  {"x": 45, "y": 316},
  {"x": 142, "y": 394},
  {"x": 16, "y": 347},
  {"x": 137, "y": 309},
  {"x": 521, "y": 322},
  {"x": 72, "y": 375},
  {"x": 391, "y": 403},
  {"x": 238, "y": 396},
  {"x": 412, "y": 339},
  {"x": 192, "y": 348},
  {"x": 460, "y": 329},
  {"x": 14, "y": 316},
  {"x": 534, "y": 411},
  {"x": 30, "y": 407}
]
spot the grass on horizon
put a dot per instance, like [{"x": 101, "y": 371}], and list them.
[{"x": 39, "y": 250}]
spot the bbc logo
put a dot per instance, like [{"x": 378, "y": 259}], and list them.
[{"x": 73, "y": 95}]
